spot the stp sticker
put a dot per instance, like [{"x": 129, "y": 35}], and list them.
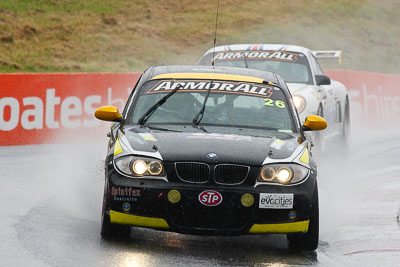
[
  {"x": 210, "y": 198},
  {"x": 276, "y": 201}
]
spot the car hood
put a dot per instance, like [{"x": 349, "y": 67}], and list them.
[
  {"x": 294, "y": 87},
  {"x": 229, "y": 148}
]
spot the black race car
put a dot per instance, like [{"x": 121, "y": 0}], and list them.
[{"x": 211, "y": 151}]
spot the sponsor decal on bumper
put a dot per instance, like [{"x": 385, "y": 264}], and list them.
[
  {"x": 122, "y": 218},
  {"x": 276, "y": 201},
  {"x": 210, "y": 198},
  {"x": 125, "y": 193},
  {"x": 280, "y": 228}
]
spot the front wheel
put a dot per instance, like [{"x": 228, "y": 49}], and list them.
[
  {"x": 307, "y": 241},
  {"x": 108, "y": 229}
]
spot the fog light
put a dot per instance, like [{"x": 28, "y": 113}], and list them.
[
  {"x": 247, "y": 200},
  {"x": 174, "y": 196}
]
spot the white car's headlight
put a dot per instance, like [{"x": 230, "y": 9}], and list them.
[
  {"x": 139, "y": 166},
  {"x": 282, "y": 173},
  {"x": 299, "y": 102}
]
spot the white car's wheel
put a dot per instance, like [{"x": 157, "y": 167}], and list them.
[
  {"x": 318, "y": 137},
  {"x": 345, "y": 138}
]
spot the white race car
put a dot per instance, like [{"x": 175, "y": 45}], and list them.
[{"x": 313, "y": 92}]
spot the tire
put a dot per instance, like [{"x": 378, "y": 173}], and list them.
[
  {"x": 110, "y": 230},
  {"x": 307, "y": 241}
]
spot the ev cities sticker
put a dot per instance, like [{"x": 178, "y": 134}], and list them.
[{"x": 276, "y": 201}]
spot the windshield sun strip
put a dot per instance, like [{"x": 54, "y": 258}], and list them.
[
  {"x": 208, "y": 76},
  {"x": 272, "y": 84}
]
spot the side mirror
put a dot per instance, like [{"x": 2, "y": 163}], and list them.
[
  {"x": 314, "y": 123},
  {"x": 322, "y": 80},
  {"x": 108, "y": 113}
]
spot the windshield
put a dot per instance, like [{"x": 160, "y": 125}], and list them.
[
  {"x": 293, "y": 67},
  {"x": 229, "y": 104}
]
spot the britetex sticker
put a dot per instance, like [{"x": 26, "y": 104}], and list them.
[{"x": 276, "y": 201}]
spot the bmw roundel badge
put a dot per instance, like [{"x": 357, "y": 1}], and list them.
[{"x": 212, "y": 155}]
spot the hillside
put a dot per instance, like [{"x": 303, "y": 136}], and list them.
[{"x": 123, "y": 35}]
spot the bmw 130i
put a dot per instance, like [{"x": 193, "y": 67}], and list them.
[{"x": 211, "y": 151}]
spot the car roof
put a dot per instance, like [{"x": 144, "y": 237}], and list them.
[
  {"x": 259, "y": 47},
  {"x": 210, "y": 72}
]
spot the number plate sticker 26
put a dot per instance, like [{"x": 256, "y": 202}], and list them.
[{"x": 210, "y": 198}]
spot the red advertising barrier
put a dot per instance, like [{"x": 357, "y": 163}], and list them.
[
  {"x": 47, "y": 108},
  {"x": 39, "y": 108},
  {"x": 373, "y": 96}
]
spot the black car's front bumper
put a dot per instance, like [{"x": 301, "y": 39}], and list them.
[{"x": 145, "y": 203}]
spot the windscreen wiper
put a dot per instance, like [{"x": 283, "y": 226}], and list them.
[
  {"x": 199, "y": 116},
  {"x": 152, "y": 127},
  {"x": 245, "y": 61},
  {"x": 153, "y": 108},
  {"x": 200, "y": 128}
]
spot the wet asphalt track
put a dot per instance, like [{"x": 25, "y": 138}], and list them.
[{"x": 51, "y": 201}]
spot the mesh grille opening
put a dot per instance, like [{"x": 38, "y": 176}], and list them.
[
  {"x": 193, "y": 172},
  {"x": 230, "y": 174}
]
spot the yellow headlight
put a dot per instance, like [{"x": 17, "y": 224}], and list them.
[{"x": 174, "y": 196}]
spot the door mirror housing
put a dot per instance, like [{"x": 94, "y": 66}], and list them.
[
  {"x": 322, "y": 79},
  {"x": 108, "y": 113},
  {"x": 314, "y": 123}
]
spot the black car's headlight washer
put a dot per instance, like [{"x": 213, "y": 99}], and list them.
[
  {"x": 139, "y": 166},
  {"x": 287, "y": 173}
]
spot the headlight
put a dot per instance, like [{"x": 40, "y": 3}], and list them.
[
  {"x": 267, "y": 174},
  {"x": 137, "y": 167},
  {"x": 283, "y": 173},
  {"x": 155, "y": 168},
  {"x": 299, "y": 102}
]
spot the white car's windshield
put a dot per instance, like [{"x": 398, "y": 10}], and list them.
[
  {"x": 292, "y": 67},
  {"x": 229, "y": 104}
]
